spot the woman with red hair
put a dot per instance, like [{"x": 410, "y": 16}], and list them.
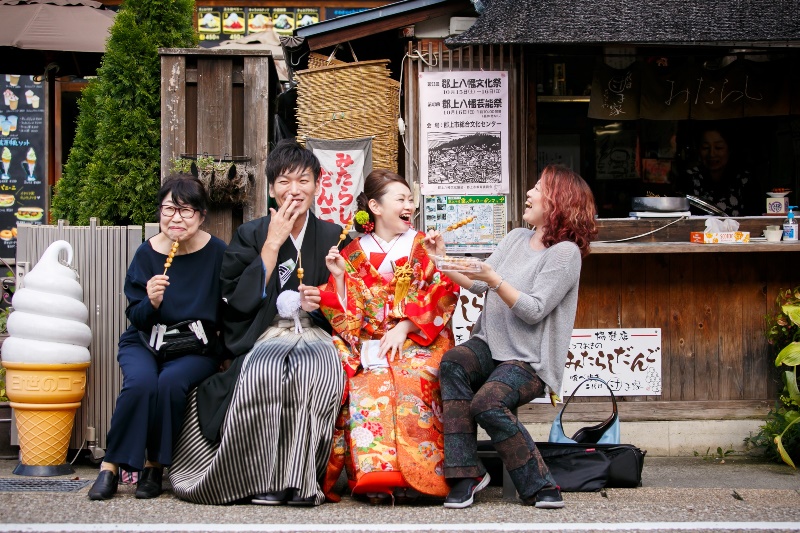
[{"x": 520, "y": 342}]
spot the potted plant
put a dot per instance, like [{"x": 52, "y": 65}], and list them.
[
  {"x": 780, "y": 435},
  {"x": 226, "y": 181}
]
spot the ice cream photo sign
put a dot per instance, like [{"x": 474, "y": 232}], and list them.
[
  {"x": 23, "y": 172},
  {"x": 46, "y": 357}
]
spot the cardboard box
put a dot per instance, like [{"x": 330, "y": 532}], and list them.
[
  {"x": 723, "y": 237},
  {"x": 777, "y": 206}
]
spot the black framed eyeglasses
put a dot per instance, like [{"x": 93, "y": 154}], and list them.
[{"x": 184, "y": 212}]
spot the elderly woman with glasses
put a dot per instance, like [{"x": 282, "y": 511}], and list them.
[{"x": 172, "y": 279}]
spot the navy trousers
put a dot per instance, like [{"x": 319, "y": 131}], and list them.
[{"x": 150, "y": 407}]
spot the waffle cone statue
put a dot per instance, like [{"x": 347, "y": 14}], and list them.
[{"x": 46, "y": 358}]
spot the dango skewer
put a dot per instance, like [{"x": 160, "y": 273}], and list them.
[
  {"x": 172, "y": 253},
  {"x": 457, "y": 225},
  {"x": 300, "y": 271},
  {"x": 345, "y": 231}
]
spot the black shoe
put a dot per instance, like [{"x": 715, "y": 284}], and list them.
[
  {"x": 105, "y": 486},
  {"x": 149, "y": 485},
  {"x": 548, "y": 498},
  {"x": 462, "y": 491},
  {"x": 271, "y": 498},
  {"x": 302, "y": 502}
]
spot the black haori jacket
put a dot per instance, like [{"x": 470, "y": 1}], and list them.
[{"x": 247, "y": 314}]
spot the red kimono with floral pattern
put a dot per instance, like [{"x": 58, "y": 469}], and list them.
[{"x": 389, "y": 432}]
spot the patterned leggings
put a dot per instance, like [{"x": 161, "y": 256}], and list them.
[{"x": 477, "y": 389}]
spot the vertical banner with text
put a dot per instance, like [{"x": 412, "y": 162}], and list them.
[{"x": 345, "y": 164}]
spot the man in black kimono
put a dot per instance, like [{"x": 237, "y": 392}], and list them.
[{"x": 262, "y": 430}]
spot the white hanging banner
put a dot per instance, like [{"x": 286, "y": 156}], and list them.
[
  {"x": 345, "y": 165},
  {"x": 464, "y": 133}
]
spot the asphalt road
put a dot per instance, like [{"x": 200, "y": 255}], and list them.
[{"x": 678, "y": 494}]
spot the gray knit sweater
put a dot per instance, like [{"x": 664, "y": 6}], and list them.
[{"x": 539, "y": 326}]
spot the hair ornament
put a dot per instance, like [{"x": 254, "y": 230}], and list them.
[{"x": 362, "y": 217}]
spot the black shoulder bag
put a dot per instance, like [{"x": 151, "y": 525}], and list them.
[{"x": 189, "y": 337}]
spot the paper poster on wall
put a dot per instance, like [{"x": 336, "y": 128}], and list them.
[
  {"x": 629, "y": 360},
  {"x": 345, "y": 164},
  {"x": 464, "y": 134},
  {"x": 481, "y": 235},
  {"x": 22, "y": 170}
]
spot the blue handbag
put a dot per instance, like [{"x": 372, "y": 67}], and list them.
[{"x": 606, "y": 432}]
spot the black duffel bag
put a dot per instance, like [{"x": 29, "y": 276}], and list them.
[{"x": 591, "y": 467}]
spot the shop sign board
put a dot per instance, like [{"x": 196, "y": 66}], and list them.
[
  {"x": 629, "y": 360},
  {"x": 218, "y": 23},
  {"x": 464, "y": 132},
  {"x": 22, "y": 170}
]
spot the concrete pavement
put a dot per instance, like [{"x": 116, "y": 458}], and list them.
[{"x": 678, "y": 494}]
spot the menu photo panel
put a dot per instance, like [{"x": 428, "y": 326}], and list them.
[
  {"x": 284, "y": 20},
  {"x": 209, "y": 23},
  {"x": 22, "y": 167},
  {"x": 233, "y": 22}
]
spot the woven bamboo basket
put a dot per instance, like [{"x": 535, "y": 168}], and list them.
[
  {"x": 350, "y": 100},
  {"x": 316, "y": 60}
]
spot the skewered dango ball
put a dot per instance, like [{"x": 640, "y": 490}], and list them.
[
  {"x": 345, "y": 231},
  {"x": 171, "y": 254},
  {"x": 457, "y": 225}
]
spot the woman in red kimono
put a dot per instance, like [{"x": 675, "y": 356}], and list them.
[{"x": 389, "y": 307}]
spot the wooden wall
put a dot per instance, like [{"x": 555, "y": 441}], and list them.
[
  {"x": 711, "y": 308},
  {"x": 219, "y": 102}
]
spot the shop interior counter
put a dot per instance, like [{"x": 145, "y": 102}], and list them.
[{"x": 671, "y": 235}]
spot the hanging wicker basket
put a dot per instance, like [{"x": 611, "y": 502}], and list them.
[
  {"x": 350, "y": 100},
  {"x": 226, "y": 183}
]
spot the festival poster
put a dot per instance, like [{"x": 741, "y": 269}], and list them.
[
  {"x": 481, "y": 235},
  {"x": 22, "y": 169},
  {"x": 464, "y": 132}
]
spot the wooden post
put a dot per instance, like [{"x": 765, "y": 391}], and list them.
[{"x": 217, "y": 102}]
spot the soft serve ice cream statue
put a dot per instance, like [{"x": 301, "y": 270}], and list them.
[
  {"x": 46, "y": 357},
  {"x": 48, "y": 324}
]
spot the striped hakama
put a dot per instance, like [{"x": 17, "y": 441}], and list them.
[{"x": 278, "y": 430}]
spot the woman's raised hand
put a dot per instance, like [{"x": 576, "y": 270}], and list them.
[
  {"x": 335, "y": 262},
  {"x": 434, "y": 243},
  {"x": 486, "y": 274},
  {"x": 155, "y": 289}
]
